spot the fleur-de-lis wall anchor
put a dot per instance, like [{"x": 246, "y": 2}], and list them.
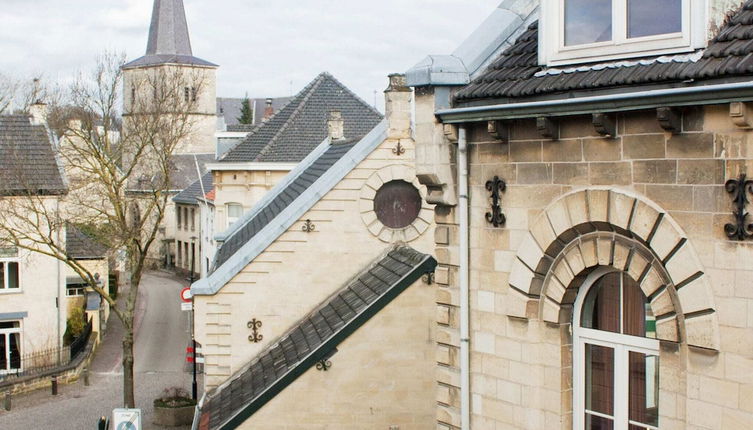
[
  {"x": 739, "y": 188},
  {"x": 323, "y": 365},
  {"x": 308, "y": 226},
  {"x": 496, "y": 186},
  {"x": 255, "y": 325},
  {"x": 399, "y": 149}
]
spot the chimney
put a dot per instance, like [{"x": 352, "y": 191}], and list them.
[
  {"x": 397, "y": 100},
  {"x": 38, "y": 113},
  {"x": 336, "y": 126},
  {"x": 268, "y": 110}
]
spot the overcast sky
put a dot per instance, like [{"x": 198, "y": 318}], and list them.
[{"x": 261, "y": 46}]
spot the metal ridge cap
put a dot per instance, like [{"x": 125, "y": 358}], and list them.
[{"x": 610, "y": 102}]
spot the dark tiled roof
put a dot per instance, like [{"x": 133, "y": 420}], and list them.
[
  {"x": 281, "y": 201},
  {"x": 314, "y": 338},
  {"x": 155, "y": 60},
  {"x": 241, "y": 128},
  {"x": 230, "y": 108},
  {"x": 79, "y": 245},
  {"x": 729, "y": 54},
  {"x": 183, "y": 172},
  {"x": 194, "y": 191},
  {"x": 27, "y": 159},
  {"x": 301, "y": 125}
]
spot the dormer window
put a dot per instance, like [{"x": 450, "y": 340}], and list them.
[{"x": 580, "y": 31}]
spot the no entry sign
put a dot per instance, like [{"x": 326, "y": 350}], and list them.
[{"x": 185, "y": 295}]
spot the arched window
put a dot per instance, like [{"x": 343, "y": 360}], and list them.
[{"x": 615, "y": 355}]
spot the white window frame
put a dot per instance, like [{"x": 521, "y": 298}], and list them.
[
  {"x": 228, "y": 220},
  {"x": 553, "y": 52},
  {"x": 80, "y": 290},
  {"x": 622, "y": 345},
  {"x": 4, "y": 289},
  {"x": 6, "y": 331}
]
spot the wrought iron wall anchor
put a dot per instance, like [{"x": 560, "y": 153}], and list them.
[
  {"x": 428, "y": 278},
  {"x": 255, "y": 325},
  {"x": 308, "y": 226},
  {"x": 496, "y": 217},
  {"x": 323, "y": 365},
  {"x": 739, "y": 188},
  {"x": 399, "y": 149}
]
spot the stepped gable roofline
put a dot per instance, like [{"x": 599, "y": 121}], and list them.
[
  {"x": 169, "y": 41},
  {"x": 293, "y": 131},
  {"x": 515, "y": 76},
  {"x": 313, "y": 339},
  {"x": 28, "y": 161},
  {"x": 282, "y": 206},
  {"x": 492, "y": 37},
  {"x": 193, "y": 192}
]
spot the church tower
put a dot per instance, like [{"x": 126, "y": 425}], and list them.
[{"x": 168, "y": 52}]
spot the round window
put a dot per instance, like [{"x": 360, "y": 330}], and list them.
[{"x": 397, "y": 204}]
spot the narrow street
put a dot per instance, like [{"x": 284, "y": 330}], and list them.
[{"x": 162, "y": 334}]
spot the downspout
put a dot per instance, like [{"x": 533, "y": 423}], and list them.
[{"x": 465, "y": 383}]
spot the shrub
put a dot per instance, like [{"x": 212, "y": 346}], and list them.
[
  {"x": 74, "y": 325},
  {"x": 174, "y": 397}
]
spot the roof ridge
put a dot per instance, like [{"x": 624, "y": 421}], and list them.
[
  {"x": 311, "y": 87},
  {"x": 349, "y": 91}
]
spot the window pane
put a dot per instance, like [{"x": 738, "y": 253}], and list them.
[
  {"x": 650, "y": 17},
  {"x": 13, "y": 275},
  {"x": 644, "y": 389},
  {"x": 3, "y": 352},
  {"x": 2, "y": 276},
  {"x": 599, "y": 380},
  {"x": 15, "y": 353},
  {"x": 639, "y": 320},
  {"x": 601, "y": 309},
  {"x": 598, "y": 423},
  {"x": 587, "y": 21},
  {"x": 234, "y": 211}
]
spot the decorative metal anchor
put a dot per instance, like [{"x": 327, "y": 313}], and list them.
[
  {"x": 255, "y": 325},
  {"x": 739, "y": 188},
  {"x": 496, "y": 217},
  {"x": 399, "y": 149},
  {"x": 308, "y": 226},
  {"x": 323, "y": 365},
  {"x": 428, "y": 278}
]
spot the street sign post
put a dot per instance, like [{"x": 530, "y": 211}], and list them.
[{"x": 126, "y": 419}]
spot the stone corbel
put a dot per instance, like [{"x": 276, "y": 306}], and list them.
[
  {"x": 669, "y": 119},
  {"x": 604, "y": 124},
  {"x": 739, "y": 113},
  {"x": 548, "y": 128},
  {"x": 451, "y": 132},
  {"x": 498, "y": 130}
]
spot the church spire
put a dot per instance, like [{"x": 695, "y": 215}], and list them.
[
  {"x": 168, "y": 33},
  {"x": 169, "y": 41}
]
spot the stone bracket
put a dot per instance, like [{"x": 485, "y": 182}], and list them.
[
  {"x": 451, "y": 132},
  {"x": 548, "y": 128},
  {"x": 604, "y": 124},
  {"x": 669, "y": 119},
  {"x": 498, "y": 130},
  {"x": 739, "y": 112}
]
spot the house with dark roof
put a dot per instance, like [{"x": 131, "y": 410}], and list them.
[
  {"x": 31, "y": 284},
  {"x": 590, "y": 166},
  {"x": 324, "y": 289},
  {"x": 246, "y": 172},
  {"x": 194, "y": 237}
]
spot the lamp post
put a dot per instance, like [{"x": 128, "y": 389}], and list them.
[{"x": 194, "y": 388}]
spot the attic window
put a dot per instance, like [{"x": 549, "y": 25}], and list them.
[
  {"x": 578, "y": 31},
  {"x": 397, "y": 204}
]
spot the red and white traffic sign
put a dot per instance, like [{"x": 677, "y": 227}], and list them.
[{"x": 185, "y": 295}]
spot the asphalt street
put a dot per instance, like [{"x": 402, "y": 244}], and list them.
[{"x": 162, "y": 334}]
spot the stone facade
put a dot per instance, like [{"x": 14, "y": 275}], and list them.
[{"x": 647, "y": 202}]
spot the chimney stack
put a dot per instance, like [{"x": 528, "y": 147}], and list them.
[
  {"x": 38, "y": 113},
  {"x": 268, "y": 110},
  {"x": 397, "y": 100},
  {"x": 336, "y": 126}
]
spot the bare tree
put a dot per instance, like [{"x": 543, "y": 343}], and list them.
[
  {"x": 118, "y": 180},
  {"x": 8, "y": 89}
]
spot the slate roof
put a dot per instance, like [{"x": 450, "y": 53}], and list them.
[
  {"x": 183, "y": 172},
  {"x": 281, "y": 201},
  {"x": 27, "y": 159},
  {"x": 169, "y": 41},
  {"x": 230, "y": 109},
  {"x": 314, "y": 338},
  {"x": 194, "y": 191},
  {"x": 81, "y": 246},
  {"x": 516, "y": 73},
  {"x": 301, "y": 124}
]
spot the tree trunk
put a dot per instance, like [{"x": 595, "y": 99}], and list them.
[{"x": 129, "y": 401}]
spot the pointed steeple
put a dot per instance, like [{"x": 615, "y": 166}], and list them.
[
  {"x": 169, "y": 41},
  {"x": 168, "y": 33}
]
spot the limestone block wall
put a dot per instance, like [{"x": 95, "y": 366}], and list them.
[
  {"x": 300, "y": 270},
  {"x": 381, "y": 376},
  {"x": 655, "y": 203}
]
